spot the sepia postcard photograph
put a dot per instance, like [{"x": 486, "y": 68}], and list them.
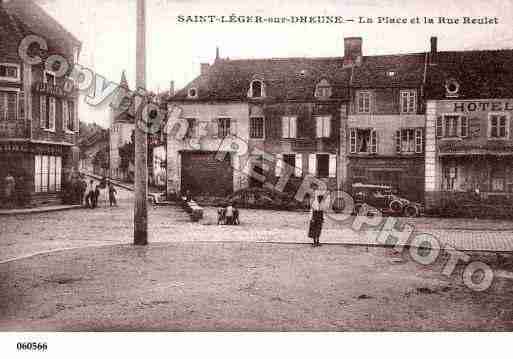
[{"x": 185, "y": 166}]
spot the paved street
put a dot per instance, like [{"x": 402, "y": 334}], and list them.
[{"x": 31, "y": 234}]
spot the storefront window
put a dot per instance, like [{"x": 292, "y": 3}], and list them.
[{"x": 47, "y": 173}]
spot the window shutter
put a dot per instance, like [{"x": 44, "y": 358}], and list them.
[
  {"x": 52, "y": 113},
  {"x": 2, "y": 106},
  {"x": 298, "y": 171},
  {"x": 42, "y": 115},
  {"x": 215, "y": 128},
  {"x": 278, "y": 165},
  {"x": 319, "y": 128},
  {"x": 353, "y": 141},
  {"x": 398, "y": 141},
  {"x": 374, "y": 141},
  {"x": 21, "y": 106},
  {"x": 439, "y": 127},
  {"x": 464, "y": 126},
  {"x": 74, "y": 114},
  {"x": 312, "y": 164},
  {"x": 285, "y": 127},
  {"x": 65, "y": 115},
  {"x": 293, "y": 127},
  {"x": 419, "y": 140},
  {"x": 327, "y": 127},
  {"x": 233, "y": 127},
  {"x": 333, "y": 166}
]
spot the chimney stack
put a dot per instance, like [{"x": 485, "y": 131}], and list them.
[
  {"x": 434, "y": 49},
  {"x": 352, "y": 50},
  {"x": 204, "y": 68},
  {"x": 171, "y": 89}
]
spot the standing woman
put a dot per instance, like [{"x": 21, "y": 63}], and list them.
[{"x": 316, "y": 221}]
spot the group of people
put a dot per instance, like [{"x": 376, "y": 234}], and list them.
[
  {"x": 228, "y": 215},
  {"x": 92, "y": 192}
]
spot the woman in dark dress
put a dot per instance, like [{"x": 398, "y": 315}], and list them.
[{"x": 316, "y": 221}]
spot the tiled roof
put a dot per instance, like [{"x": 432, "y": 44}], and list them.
[
  {"x": 12, "y": 34},
  {"x": 406, "y": 70},
  {"x": 29, "y": 18},
  {"x": 480, "y": 74},
  {"x": 284, "y": 79}
]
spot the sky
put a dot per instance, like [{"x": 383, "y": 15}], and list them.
[{"x": 175, "y": 50}]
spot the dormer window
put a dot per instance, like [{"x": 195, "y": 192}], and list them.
[
  {"x": 192, "y": 93},
  {"x": 256, "y": 89},
  {"x": 10, "y": 72},
  {"x": 323, "y": 90},
  {"x": 452, "y": 88}
]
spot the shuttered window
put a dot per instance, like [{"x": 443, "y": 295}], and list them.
[
  {"x": 289, "y": 127},
  {"x": 323, "y": 125}
]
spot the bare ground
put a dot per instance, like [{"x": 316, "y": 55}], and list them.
[{"x": 244, "y": 286}]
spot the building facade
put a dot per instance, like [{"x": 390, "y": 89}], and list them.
[
  {"x": 285, "y": 114},
  {"x": 469, "y": 146},
  {"x": 38, "y": 110},
  {"x": 122, "y": 125},
  {"x": 384, "y": 143}
]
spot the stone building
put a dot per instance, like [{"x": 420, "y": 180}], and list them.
[
  {"x": 122, "y": 125},
  {"x": 469, "y": 144},
  {"x": 38, "y": 109},
  {"x": 384, "y": 144},
  {"x": 284, "y": 117}
]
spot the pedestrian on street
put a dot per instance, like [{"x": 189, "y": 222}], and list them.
[
  {"x": 96, "y": 195},
  {"x": 10, "y": 187},
  {"x": 229, "y": 213},
  {"x": 82, "y": 190},
  {"x": 89, "y": 198},
  {"x": 316, "y": 221},
  {"x": 112, "y": 195}
]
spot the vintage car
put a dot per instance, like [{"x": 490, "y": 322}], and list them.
[{"x": 370, "y": 198}]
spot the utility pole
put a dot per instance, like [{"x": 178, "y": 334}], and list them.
[{"x": 141, "y": 138}]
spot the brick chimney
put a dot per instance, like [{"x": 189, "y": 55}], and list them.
[
  {"x": 204, "y": 68},
  {"x": 352, "y": 50},
  {"x": 434, "y": 50}
]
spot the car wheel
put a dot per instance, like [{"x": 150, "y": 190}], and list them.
[
  {"x": 411, "y": 212},
  {"x": 396, "y": 207}
]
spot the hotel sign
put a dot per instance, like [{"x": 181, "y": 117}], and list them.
[
  {"x": 53, "y": 90},
  {"x": 482, "y": 106}
]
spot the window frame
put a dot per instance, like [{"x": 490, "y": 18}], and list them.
[
  {"x": 251, "y": 119},
  {"x": 290, "y": 120},
  {"x": 6, "y": 91},
  {"x": 9, "y": 78},
  {"x": 499, "y": 116},
  {"x": 363, "y": 110},
  {"x": 195, "y": 92},
  {"x": 373, "y": 144},
  {"x": 409, "y": 94},
  {"x": 262, "y": 89},
  {"x": 325, "y": 126},
  {"x": 416, "y": 141},
  {"x": 44, "y": 179},
  {"x": 222, "y": 129},
  {"x": 442, "y": 127}
]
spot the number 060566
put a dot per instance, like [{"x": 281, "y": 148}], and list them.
[{"x": 32, "y": 346}]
